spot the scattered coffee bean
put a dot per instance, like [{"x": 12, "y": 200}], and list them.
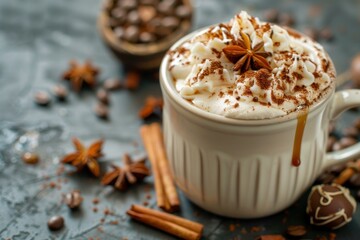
[
  {"x": 112, "y": 84},
  {"x": 30, "y": 158},
  {"x": 56, "y": 223},
  {"x": 358, "y": 195},
  {"x": 146, "y": 37},
  {"x": 101, "y": 111},
  {"x": 355, "y": 70},
  {"x": 336, "y": 169},
  {"x": 42, "y": 98},
  {"x": 103, "y": 96},
  {"x": 132, "y": 34},
  {"x": 337, "y": 146},
  {"x": 133, "y": 17},
  {"x": 73, "y": 199},
  {"x": 269, "y": 237},
  {"x": 60, "y": 92},
  {"x": 325, "y": 178},
  {"x": 330, "y": 143},
  {"x": 183, "y": 11},
  {"x": 350, "y": 132},
  {"x": 357, "y": 123},
  {"x": 326, "y": 34},
  {"x": 296, "y": 231},
  {"x": 312, "y": 33},
  {"x": 355, "y": 180},
  {"x": 271, "y": 15},
  {"x": 286, "y": 19},
  {"x": 347, "y": 141}
]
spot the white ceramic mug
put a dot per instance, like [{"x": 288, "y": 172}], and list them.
[{"x": 242, "y": 168}]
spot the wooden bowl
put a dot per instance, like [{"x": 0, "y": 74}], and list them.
[{"x": 141, "y": 56}]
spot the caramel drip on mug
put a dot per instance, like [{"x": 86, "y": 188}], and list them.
[{"x": 301, "y": 121}]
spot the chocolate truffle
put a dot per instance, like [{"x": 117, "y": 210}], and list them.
[{"x": 330, "y": 206}]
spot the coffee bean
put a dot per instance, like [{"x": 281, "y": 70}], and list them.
[
  {"x": 146, "y": 13},
  {"x": 350, "y": 132},
  {"x": 101, "y": 110},
  {"x": 296, "y": 231},
  {"x": 30, "y": 158},
  {"x": 119, "y": 15},
  {"x": 358, "y": 195},
  {"x": 55, "y": 223},
  {"x": 112, "y": 84},
  {"x": 146, "y": 37},
  {"x": 103, "y": 96},
  {"x": 286, "y": 19},
  {"x": 355, "y": 180},
  {"x": 42, "y": 98},
  {"x": 131, "y": 34},
  {"x": 336, "y": 169},
  {"x": 133, "y": 17},
  {"x": 355, "y": 70},
  {"x": 347, "y": 141},
  {"x": 154, "y": 25},
  {"x": 312, "y": 33},
  {"x": 271, "y": 15},
  {"x": 128, "y": 4},
  {"x": 357, "y": 123},
  {"x": 73, "y": 199},
  {"x": 183, "y": 11},
  {"x": 330, "y": 143},
  {"x": 60, "y": 92},
  {"x": 119, "y": 32},
  {"x": 149, "y": 2},
  {"x": 325, "y": 178},
  {"x": 331, "y": 127},
  {"x": 326, "y": 34},
  {"x": 337, "y": 146},
  {"x": 165, "y": 8},
  {"x": 170, "y": 22}
]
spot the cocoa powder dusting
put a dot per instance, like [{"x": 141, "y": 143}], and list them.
[{"x": 262, "y": 78}]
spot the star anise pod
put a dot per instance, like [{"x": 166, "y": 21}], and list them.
[
  {"x": 85, "y": 157},
  {"x": 79, "y": 75},
  {"x": 245, "y": 57},
  {"x": 130, "y": 173}
]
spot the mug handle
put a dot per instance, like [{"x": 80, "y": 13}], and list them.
[{"x": 343, "y": 100}]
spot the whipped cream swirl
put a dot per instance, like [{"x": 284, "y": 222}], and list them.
[{"x": 301, "y": 71}]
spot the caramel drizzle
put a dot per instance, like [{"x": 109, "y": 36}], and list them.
[{"x": 301, "y": 122}]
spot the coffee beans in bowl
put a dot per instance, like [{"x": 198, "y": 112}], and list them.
[{"x": 139, "y": 32}]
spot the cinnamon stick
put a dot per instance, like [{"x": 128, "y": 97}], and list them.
[
  {"x": 164, "y": 225},
  {"x": 194, "y": 226},
  {"x": 164, "y": 167},
  {"x": 166, "y": 194},
  {"x": 150, "y": 149}
]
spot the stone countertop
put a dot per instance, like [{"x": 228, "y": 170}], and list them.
[{"x": 37, "y": 40}]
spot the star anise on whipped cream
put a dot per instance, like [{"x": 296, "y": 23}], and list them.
[
  {"x": 130, "y": 173},
  {"x": 85, "y": 157},
  {"x": 246, "y": 57}
]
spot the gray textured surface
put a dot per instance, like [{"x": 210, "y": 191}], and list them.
[{"x": 37, "y": 39}]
